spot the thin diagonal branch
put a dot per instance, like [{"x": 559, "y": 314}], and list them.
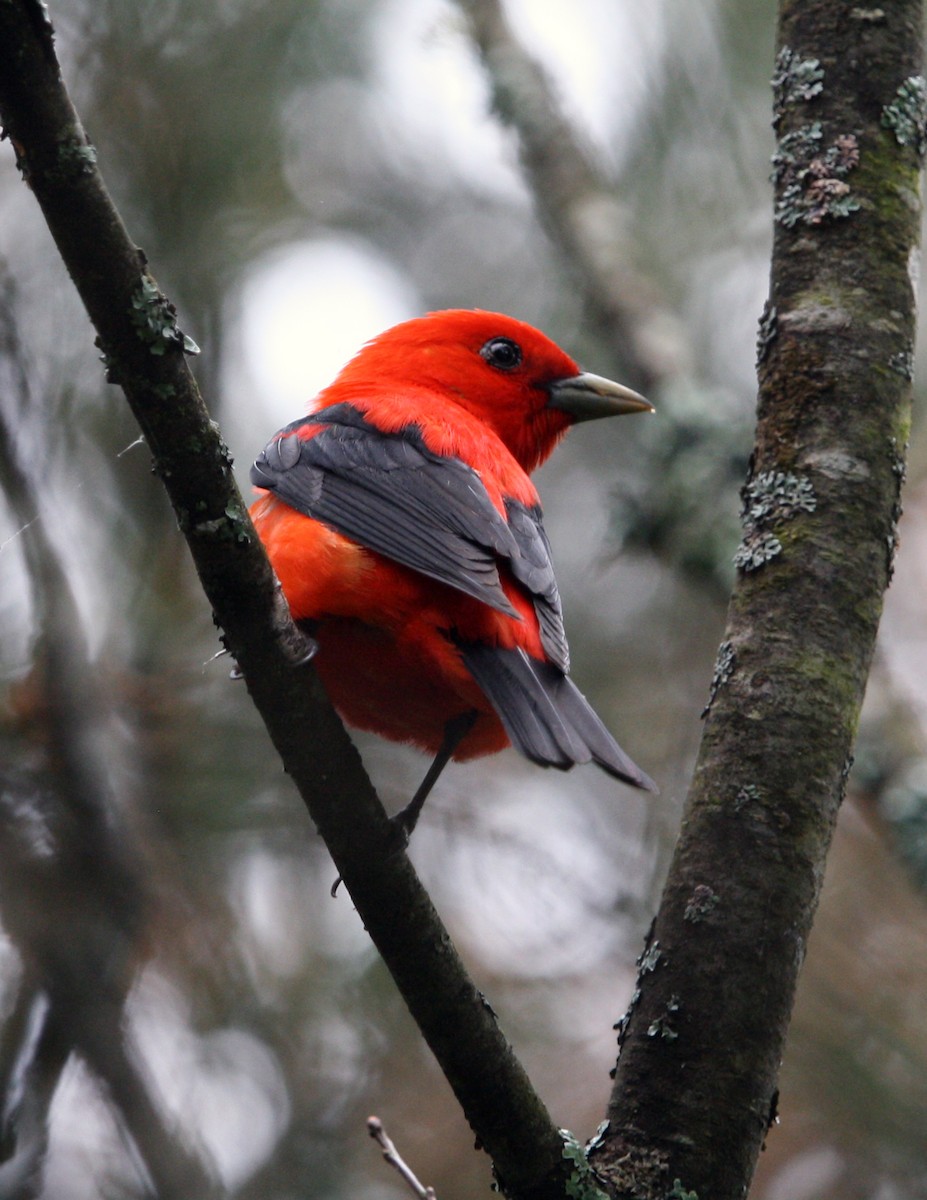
[{"x": 144, "y": 351}]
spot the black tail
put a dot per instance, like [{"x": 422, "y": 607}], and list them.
[{"x": 546, "y": 716}]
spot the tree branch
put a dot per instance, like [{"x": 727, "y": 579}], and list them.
[
  {"x": 76, "y": 913},
  {"x": 144, "y": 352},
  {"x": 695, "y": 1089}
]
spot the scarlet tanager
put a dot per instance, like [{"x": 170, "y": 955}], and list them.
[{"x": 408, "y": 539}]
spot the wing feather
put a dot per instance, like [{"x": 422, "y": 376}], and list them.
[
  {"x": 546, "y": 716},
  {"x": 430, "y": 512}
]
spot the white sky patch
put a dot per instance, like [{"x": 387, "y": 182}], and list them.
[
  {"x": 308, "y": 308},
  {"x": 225, "y": 1086}
]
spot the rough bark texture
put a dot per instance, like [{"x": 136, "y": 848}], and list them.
[
  {"x": 695, "y": 1088},
  {"x": 144, "y": 353}
]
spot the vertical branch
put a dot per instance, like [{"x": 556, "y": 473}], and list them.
[{"x": 695, "y": 1089}]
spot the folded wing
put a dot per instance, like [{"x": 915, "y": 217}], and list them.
[{"x": 390, "y": 493}]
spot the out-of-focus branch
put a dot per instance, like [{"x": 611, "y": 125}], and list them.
[
  {"x": 30, "y": 1068},
  {"x": 71, "y": 889},
  {"x": 80, "y": 957},
  {"x": 701, "y": 448},
  {"x": 578, "y": 207},
  {"x": 145, "y": 352}
]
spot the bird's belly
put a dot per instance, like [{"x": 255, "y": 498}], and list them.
[{"x": 402, "y": 687}]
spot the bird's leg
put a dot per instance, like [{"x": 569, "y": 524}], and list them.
[
  {"x": 405, "y": 821},
  {"x": 455, "y": 731}
]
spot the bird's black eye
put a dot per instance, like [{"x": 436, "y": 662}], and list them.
[{"x": 502, "y": 353}]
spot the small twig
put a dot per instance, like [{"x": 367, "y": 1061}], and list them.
[{"x": 395, "y": 1159}]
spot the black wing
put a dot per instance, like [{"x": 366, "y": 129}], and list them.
[
  {"x": 545, "y": 715},
  {"x": 534, "y": 569},
  {"x": 390, "y": 493}
]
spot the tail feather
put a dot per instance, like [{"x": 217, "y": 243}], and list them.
[
  {"x": 527, "y": 712},
  {"x": 545, "y": 715}
]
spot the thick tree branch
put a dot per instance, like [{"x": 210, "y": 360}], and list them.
[
  {"x": 695, "y": 1089},
  {"x": 144, "y": 352}
]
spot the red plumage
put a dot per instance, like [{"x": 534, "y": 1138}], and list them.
[{"x": 405, "y": 530}]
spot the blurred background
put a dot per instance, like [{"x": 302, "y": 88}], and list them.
[{"x": 302, "y": 174}]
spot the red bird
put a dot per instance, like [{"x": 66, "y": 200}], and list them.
[{"x": 408, "y": 539}]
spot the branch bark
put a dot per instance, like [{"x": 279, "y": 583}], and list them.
[
  {"x": 695, "y": 1089},
  {"x": 144, "y": 352}
]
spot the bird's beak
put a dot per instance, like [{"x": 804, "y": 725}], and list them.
[{"x": 587, "y": 397}]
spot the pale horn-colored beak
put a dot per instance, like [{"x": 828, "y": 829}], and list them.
[{"x": 587, "y": 397}]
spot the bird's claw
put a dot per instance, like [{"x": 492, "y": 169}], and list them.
[
  {"x": 309, "y": 648},
  {"x": 400, "y": 831},
  {"x": 397, "y": 839}
]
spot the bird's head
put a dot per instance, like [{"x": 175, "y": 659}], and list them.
[{"x": 503, "y": 371}]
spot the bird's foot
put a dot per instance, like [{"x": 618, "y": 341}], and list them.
[
  {"x": 397, "y": 839},
  {"x": 401, "y": 826}
]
